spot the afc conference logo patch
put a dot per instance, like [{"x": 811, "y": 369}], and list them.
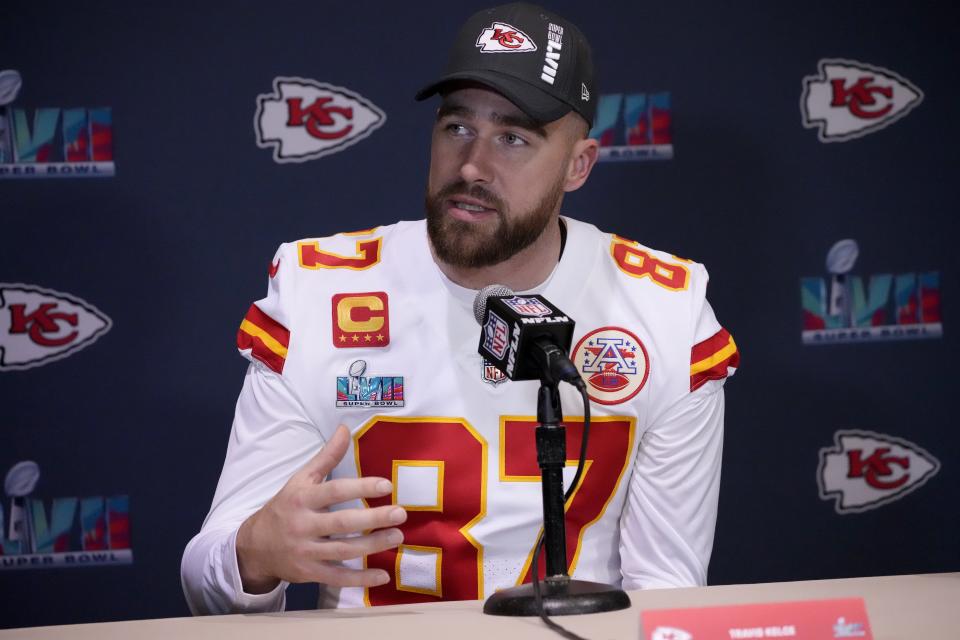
[
  {"x": 850, "y": 99},
  {"x": 304, "y": 119},
  {"x": 504, "y": 38},
  {"x": 361, "y": 320},
  {"x": 39, "y": 325},
  {"x": 614, "y": 363},
  {"x": 866, "y": 470}
]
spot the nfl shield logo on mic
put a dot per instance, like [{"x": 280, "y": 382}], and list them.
[
  {"x": 496, "y": 336},
  {"x": 530, "y": 307}
]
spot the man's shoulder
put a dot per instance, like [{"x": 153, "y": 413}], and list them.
[
  {"x": 353, "y": 250},
  {"x": 350, "y": 236},
  {"x": 639, "y": 267}
]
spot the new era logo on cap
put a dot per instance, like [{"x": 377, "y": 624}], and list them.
[{"x": 501, "y": 37}]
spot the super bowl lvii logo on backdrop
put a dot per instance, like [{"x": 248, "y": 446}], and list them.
[
  {"x": 865, "y": 470},
  {"x": 634, "y": 126},
  {"x": 850, "y": 99},
  {"x": 39, "y": 325},
  {"x": 54, "y": 142},
  {"x": 66, "y": 532},
  {"x": 905, "y": 306},
  {"x": 304, "y": 119}
]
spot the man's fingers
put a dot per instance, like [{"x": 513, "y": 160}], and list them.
[
  {"x": 349, "y": 548},
  {"x": 346, "y": 521},
  {"x": 342, "y": 577},
  {"x": 340, "y": 490},
  {"x": 320, "y": 465}
]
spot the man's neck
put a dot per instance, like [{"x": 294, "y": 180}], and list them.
[{"x": 522, "y": 272}]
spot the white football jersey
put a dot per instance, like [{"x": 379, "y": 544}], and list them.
[{"x": 363, "y": 329}]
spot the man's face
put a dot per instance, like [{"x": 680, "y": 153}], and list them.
[{"x": 496, "y": 177}]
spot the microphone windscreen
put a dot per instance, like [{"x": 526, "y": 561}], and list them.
[{"x": 480, "y": 302}]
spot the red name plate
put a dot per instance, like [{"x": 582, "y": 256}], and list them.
[{"x": 839, "y": 619}]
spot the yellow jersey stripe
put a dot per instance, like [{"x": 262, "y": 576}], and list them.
[
  {"x": 715, "y": 359},
  {"x": 249, "y": 328}
]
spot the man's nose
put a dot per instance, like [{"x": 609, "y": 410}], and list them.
[{"x": 476, "y": 166}]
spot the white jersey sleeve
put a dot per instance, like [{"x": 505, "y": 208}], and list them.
[
  {"x": 669, "y": 518},
  {"x": 271, "y": 438}
]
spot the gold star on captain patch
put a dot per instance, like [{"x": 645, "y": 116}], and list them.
[
  {"x": 367, "y": 337},
  {"x": 343, "y": 338},
  {"x": 379, "y": 337},
  {"x": 356, "y": 339}
]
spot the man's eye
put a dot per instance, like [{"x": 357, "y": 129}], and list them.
[
  {"x": 514, "y": 140},
  {"x": 456, "y": 129}
]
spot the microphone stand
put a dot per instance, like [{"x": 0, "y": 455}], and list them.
[{"x": 561, "y": 595}]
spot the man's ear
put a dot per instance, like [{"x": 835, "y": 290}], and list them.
[{"x": 583, "y": 156}]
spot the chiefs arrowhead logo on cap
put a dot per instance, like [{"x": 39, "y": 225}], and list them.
[
  {"x": 504, "y": 38},
  {"x": 39, "y": 325}
]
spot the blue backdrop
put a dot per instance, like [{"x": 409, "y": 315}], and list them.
[{"x": 174, "y": 247}]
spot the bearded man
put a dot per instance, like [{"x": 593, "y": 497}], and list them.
[{"x": 428, "y": 489}]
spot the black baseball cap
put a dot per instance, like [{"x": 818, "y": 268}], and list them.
[{"x": 539, "y": 61}]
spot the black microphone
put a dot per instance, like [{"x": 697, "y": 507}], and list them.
[{"x": 525, "y": 336}]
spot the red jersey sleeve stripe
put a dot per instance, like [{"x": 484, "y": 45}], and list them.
[
  {"x": 703, "y": 350},
  {"x": 711, "y": 359},
  {"x": 266, "y": 339},
  {"x": 267, "y": 324}
]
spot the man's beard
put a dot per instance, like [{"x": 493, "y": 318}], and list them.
[{"x": 472, "y": 245}]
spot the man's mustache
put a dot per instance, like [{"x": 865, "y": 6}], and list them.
[{"x": 476, "y": 191}]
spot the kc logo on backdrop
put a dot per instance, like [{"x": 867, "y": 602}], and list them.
[
  {"x": 850, "y": 99},
  {"x": 304, "y": 119},
  {"x": 866, "y": 470},
  {"x": 39, "y": 325}
]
